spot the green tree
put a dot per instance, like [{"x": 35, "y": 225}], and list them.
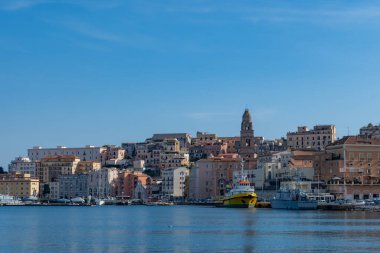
[{"x": 46, "y": 190}]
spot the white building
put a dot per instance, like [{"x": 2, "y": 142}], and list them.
[
  {"x": 101, "y": 183},
  {"x": 173, "y": 181},
  {"x": 87, "y": 153},
  {"x": 23, "y": 165}
]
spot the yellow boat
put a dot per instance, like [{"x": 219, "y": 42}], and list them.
[{"x": 242, "y": 194}]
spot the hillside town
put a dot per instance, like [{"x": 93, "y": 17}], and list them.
[{"x": 182, "y": 167}]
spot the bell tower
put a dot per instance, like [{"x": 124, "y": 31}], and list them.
[{"x": 247, "y": 145}]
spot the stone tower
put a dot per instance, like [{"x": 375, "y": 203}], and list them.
[{"x": 247, "y": 145}]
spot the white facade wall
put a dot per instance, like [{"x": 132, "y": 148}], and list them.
[
  {"x": 173, "y": 181},
  {"x": 88, "y": 153},
  {"x": 23, "y": 165},
  {"x": 101, "y": 183}
]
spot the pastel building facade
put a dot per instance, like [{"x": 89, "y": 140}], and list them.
[
  {"x": 102, "y": 183},
  {"x": 133, "y": 185},
  {"x": 351, "y": 168},
  {"x": 317, "y": 138},
  {"x": 173, "y": 181},
  {"x": 19, "y": 185},
  {"x": 50, "y": 168},
  {"x": 22, "y": 165},
  {"x": 71, "y": 186},
  {"x": 210, "y": 177},
  {"x": 87, "y": 153}
]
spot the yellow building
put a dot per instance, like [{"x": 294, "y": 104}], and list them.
[
  {"x": 19, "y": 185},
  {"x": 84, "y": 167}
]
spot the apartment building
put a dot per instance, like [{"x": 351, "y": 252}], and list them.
[
  {"x": 317, "y": 138},
  {"x": 23, "y": 165},
  {"x": 19, "y": 185}
]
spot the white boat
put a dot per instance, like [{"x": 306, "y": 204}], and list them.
[
  {"x": 8, "y": 200},
  {"x": 78, "y": 200},
  {"x": 99, "y": 202}
]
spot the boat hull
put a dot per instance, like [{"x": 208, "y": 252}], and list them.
[
  {"x": 240, "y": 201},
  {"x": 294, "y": 204}
]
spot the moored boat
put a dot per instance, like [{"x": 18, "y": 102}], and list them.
[
  {"x": 294, "y": 199},
  {"x": 241, "y": 195},
  {"x": 8, "y": 200}
]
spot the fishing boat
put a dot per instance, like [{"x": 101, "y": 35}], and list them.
[{"x": 242, "y": 194}]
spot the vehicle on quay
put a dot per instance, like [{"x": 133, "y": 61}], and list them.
[{"x": 242, "y": 193}]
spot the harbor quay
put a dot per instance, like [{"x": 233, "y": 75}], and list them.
[{"x": 306, "y": 169}]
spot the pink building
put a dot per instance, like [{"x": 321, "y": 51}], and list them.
[{"x": 210, "y": 177}]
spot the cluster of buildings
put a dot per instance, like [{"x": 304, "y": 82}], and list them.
[{"x": 179, "y": 166}]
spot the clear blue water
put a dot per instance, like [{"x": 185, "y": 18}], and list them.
[{"x": 185, "y": 229}]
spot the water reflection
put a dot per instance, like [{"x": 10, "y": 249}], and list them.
[{"x": 185, "y": 229}]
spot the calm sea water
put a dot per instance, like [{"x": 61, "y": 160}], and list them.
[{"x": 185, "y": 229}]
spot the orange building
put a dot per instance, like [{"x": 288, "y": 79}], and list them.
[{"x": 128, "y": 182}]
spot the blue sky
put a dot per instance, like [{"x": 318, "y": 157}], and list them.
[{"x": 77, "y": 72}]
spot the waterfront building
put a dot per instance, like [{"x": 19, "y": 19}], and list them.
[
  {"x": 71, "y": 186},
  {"x": 50, "y": 190},
  {"x": 102, "y": 183},
  {"x": 49, "y": 168},
  {"x": 87, "y": 153},
  {"x": 23, "y": 165},
  {"x": 318, "y": 138},
  {"x": 133, "y": 184},
  {"x": 19, "y": 185},
  {"x": 173, "y": 181},
  {"x": 370, "y": 131},
  {"x": 211, "y": 177},
  {"x": 351, "y": 168}
]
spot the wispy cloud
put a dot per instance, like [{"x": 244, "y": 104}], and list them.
[
  {"x": 326, "y": 15},
  {"x": 15, "y": 5},
  {"x": 92, "y": 32},
  {"x": 284, "y": 11},
  {"x": 98, "y": 36}
]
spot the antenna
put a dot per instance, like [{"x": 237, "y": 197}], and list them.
[{"x": 348, "y": 131}]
